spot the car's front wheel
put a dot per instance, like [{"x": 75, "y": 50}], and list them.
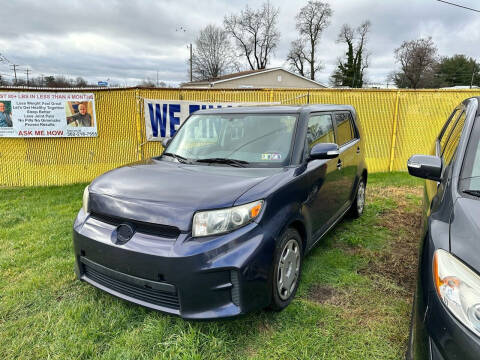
[{"x": 287, "y": 269}]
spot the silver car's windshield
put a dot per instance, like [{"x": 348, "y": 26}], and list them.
[{"x": 248, "y": 139}]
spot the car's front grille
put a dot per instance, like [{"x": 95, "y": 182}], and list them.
[
  {"x": 149, "y": 295},
  {"x": 166, "y": 231}
]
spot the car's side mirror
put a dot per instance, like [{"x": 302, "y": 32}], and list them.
[
  {"x": 425, "y": 167},
  {"x": 324, "y": 151},
  {"x": 165, "y": 142}
]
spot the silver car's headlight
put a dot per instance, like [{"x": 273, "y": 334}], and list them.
[
  {"x": 459, "y": 289},
  {"x": 85, "y": 200},
  {"x": 225, "y": 220}
]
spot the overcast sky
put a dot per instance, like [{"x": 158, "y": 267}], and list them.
[{"x": 129, "y": 41}]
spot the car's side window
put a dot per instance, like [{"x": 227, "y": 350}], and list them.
[
  {"x": 453, "y": 139},
  {"x": 345, "y": 128},
  {"x": 447, "y": 129},
  {"x": 320, "y": 130}
]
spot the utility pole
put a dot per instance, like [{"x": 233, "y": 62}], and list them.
[
  {"x": 191, "y": 58},
  {"x": 157, "y": 78},
  {"x": 14, "y": 67},
  {"x": 473, "y": 74},
  {"x": 27, "y": 71},
  {"x": 191, "y": 63}
]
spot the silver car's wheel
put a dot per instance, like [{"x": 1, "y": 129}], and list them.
[{"x": 288, "y": 269}]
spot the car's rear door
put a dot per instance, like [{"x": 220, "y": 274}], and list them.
[{"x": 348, "y": 141}]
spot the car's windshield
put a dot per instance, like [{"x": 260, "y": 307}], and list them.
[
  {"x": 470, "y": 176},
  {"x": 253, "y": 139}
]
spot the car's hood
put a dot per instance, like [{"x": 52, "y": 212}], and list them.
[
  {"x": 465, "y": 231},
  {"x": 168, "y": 192}
]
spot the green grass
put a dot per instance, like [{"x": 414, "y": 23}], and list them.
[
  {"x": 345, "y": 308},
  {"x": 395, "y": 178}
]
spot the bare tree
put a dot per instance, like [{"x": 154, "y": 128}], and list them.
[
  {"x": 213, "y": 55},
  {"x": 312, "y": 19},
  {"x": 417, "y": 59},
  {"x": 350, "y": 70},
  {"x": 80, "y": 82},
  {"x": 255, "y": 33},
  {"x": 297, "y": 57}
]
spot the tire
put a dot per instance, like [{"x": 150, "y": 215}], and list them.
[
  {"x": 287, "y": 268},
  {"x": 358, "y": 204}
]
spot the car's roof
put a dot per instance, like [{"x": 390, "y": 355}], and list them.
[{"x": 275, "y": 109}]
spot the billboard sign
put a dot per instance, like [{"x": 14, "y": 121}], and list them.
[
  {"x": 37, "y": 114},
  {"x": 164, "y": 117}
]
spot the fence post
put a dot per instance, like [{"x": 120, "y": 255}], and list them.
[
  {"x": 138, "y": 121},
  {"x": 394, "y": 132}
]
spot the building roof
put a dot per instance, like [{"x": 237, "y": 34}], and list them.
[{"x": 243, "y": 74}]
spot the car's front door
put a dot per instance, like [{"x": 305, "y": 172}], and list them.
[
  {"x": 347, "y": 162},
  {"x": 322, "y": 200}
]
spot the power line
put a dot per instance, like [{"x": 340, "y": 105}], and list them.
[
  {"x": 27, "y": 71},
  {"x": 14, "y": 67},
  {"x": 460, "y": 6},
  {"x": 3, "y": 59}
]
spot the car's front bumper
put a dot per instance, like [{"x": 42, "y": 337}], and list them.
[
  {"x": 449, "y": 339},
  {"x": 205, "y": 278},
  {"x": 438, "y": 335}
]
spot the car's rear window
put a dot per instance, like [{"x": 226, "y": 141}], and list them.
[{"x": 345, "y": 130}]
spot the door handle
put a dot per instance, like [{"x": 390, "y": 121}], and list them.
[
  {"x": 339, "y": 164},
  {"x": 358, "y": 150}
]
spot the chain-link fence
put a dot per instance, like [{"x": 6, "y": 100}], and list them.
[{"x": 396, "y": 124}]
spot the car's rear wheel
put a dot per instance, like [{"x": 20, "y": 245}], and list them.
[
  {"x": 358, "y": 204},
  {"x": 287, "y": 269}
]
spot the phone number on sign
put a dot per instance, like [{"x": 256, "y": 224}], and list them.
[{"x": 81, "y": 133}]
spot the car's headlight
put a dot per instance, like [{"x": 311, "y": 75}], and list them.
[
  {"x": 459, "y": 289},
  {"x": 85, "y": 200},
  {"x": 221, "y": 221}
]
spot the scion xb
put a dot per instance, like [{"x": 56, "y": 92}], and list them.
[{"x": 219, "y": 224}]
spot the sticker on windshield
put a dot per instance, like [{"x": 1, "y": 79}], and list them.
[{"x": 271, "y": 156}]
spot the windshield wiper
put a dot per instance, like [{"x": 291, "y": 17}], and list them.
[
  {"x": 178, "y": 157},
  {"x": 472, "y": 192},
  {"x": 232, "y": 162}
]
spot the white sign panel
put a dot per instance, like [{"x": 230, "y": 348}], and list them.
[
  {"x": 36, "y": 114},
  {"x": 164, "y": 117}
]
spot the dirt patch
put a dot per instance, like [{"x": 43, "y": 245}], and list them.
[
  {"x": 324, "y": 294},
  {"x": 399, "y": 262},
  {"x": 264, "y": 328}
]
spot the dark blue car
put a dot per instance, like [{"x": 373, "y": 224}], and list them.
[
  {"x": 446, "y": 311},
  {"x": 218, "y": 225}
]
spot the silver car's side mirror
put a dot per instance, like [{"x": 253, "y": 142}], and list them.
[{"x": 425, "y": 167}]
